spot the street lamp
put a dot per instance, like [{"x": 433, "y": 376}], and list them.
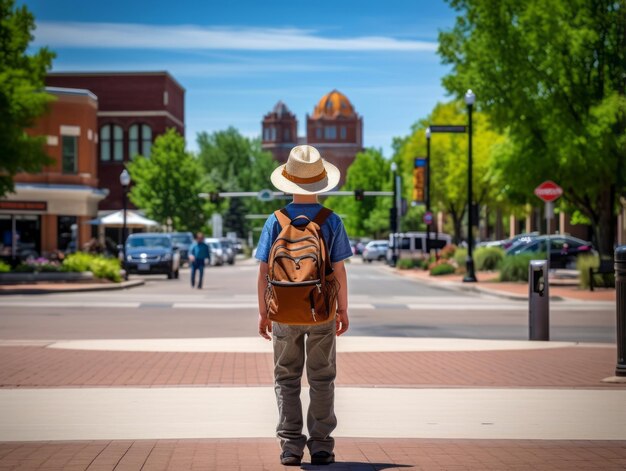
[
  {"x": 428, "y": 189},
  {"x": 470, "y": 276},
  {"x": 124, "y": 181},
  {"x": 394, "y": 215}
]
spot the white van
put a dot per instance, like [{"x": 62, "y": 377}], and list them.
[{"x": 412, "y": 244}]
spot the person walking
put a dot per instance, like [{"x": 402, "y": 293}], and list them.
[
  {"x": 300, "y": 310},
  {"x": 199, "y": 252}
]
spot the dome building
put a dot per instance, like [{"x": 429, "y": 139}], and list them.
[{"x": 334, "y": 128}]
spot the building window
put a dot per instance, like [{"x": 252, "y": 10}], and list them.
[
  {"x": 266, "y": 134},
  {"x": 111, "y": 143},
  {"x": 70, "y": 154},
  {"x": 343, "y": 132},
  {"x": 318, "y": 133},
  {"x": 272, "y": 133},
  {"x": 139, "y": 140},
  {"x": 286, "y": 135},
  {"x": 330, "y": 132}
]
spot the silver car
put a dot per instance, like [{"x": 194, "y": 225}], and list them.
[
  {"x": 375, "y": 250},
  {"x": 217, "y": 251}
]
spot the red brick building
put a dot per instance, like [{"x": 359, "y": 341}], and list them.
[
  {"x": 134, "y": 108},
  {"x": 334, "y": 128},
  {"x": 49, "y": 209}
]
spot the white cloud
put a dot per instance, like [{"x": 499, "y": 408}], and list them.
[{"x": 140, "y": 36}]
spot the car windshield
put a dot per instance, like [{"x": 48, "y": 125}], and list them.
[
  {"x": 182, "y": 239},
  {"x": 148, "y": 242}
]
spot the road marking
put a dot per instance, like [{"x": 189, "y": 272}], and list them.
[
  {"x": 230, "y": 412},
  {"x": 347, "y": 344}
]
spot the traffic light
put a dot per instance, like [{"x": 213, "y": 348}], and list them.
[{"x": 359, "y": 194}]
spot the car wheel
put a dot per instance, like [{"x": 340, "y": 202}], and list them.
[
  {"x": 368, "y": 260},
  {"x": 170, "y": 275}
]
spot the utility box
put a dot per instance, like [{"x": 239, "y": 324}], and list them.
[{"x": 538, "y": 300}]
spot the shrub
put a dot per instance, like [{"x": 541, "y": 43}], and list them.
[
  {"x": 515, "y": 267},
  {"x": 101, "y": 267},
  {"x": 107, "y": 268},
  {"x": 583, "y": 264},
  {"x": 448, "y": 252},
  {"x": 442, "y": 269},
  {"x": 407, "y": 263},
  {"x": 4, "y": 267},
  {"x": 488, "y": 258},
  {"x": 78, "y": 262},
  {"x": 459, "y": 257}
]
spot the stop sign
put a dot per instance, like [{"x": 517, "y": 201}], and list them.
[
  {"x": 428, "y": 218},
  {"x": 548, "y": 191}
]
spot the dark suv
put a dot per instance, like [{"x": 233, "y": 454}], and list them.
[{"x": 149, "y": 253}]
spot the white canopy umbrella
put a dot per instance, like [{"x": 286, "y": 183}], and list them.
[{"x": 116, "y": 219}]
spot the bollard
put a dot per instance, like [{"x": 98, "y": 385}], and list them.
[
  {"x": 538, "y": 301},
  {"x": 620, "y": 301}
]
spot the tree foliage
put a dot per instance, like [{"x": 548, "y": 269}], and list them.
[
  {"x": 167, "y": 184},
  {"x": 448, "y": 165},
  {"x": 552, "y": 75},
  {"x": 233, "y": 162},
  {"x": 370, "y": 217},
  {"x": 22, "y": 95}
]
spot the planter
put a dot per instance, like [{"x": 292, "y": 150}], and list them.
[{"x": 13, "y": 278}]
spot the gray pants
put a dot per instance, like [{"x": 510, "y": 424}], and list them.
[{"x": 290, "y": 343}]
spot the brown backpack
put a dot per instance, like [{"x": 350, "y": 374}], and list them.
[{"x": 301, "y": 285}]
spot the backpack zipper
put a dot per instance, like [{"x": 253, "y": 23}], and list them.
[{"x": 297, "y": 283}]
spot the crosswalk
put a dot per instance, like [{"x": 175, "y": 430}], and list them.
[{"x": 410, "y": 304}]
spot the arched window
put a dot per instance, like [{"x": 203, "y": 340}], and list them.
[
  {"x": 286, "y": 135},
  {"x": 111, "y": 143},
  {"x": 139, "y": 140}
]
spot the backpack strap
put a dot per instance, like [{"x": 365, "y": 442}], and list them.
[
  {"x": 283, "y": 217},
  {"x": 322, "y": 215}
]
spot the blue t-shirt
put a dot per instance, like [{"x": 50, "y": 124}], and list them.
[
  {"x": 333, "y": 231},
  {"x": 200, "y": 250}
]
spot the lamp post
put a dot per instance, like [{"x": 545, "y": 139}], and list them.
[
  {"x": 428, "y": 189},
  {"x": 394, "y": 215},
  {"x": 124, "y": 181},
  {"x": 470, "y": 276}
]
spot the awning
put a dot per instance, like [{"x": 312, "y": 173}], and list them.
[{"x": 116, "y": 219}]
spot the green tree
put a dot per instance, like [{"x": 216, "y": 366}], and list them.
[
  {"x": 370, "y": 217},
  {"x": 233, "y": 162},
  {"x": 22, "y": 95},
  {"x": 552, "y": 74},
  {"x": 166, "y": 185},
  {"x": 448, "y": 166}
]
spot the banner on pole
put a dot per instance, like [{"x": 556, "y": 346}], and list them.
[{"x": 419, "y": 180}]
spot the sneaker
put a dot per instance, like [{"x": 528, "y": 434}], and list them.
[
  {"x": 288, "y": 458},
  {"x": 322, "y": 458}
]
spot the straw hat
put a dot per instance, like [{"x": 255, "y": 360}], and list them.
[{"x": 305, "y": 173}]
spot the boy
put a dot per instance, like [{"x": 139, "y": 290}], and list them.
[
  {"x": 198, "y": 253},
  {"x": 305, "y": 175}
]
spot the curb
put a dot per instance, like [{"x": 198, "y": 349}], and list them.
[
  {"x": 453, "y": 286},
  {"x": 74, "y": 289}
]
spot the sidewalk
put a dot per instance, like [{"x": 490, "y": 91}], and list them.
[
  {"x": 488, "y": 284},
  {"x": 432, "y": 404},
  {"x": 66, "y": 287}
]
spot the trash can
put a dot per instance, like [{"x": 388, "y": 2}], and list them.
[
  {"x": 538, "y": 301},
  {"x": 620, "y": 300}
]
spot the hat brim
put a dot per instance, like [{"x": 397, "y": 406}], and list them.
[{"x": 326, "y": 184}]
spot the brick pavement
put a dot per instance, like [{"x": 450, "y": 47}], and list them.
[
  {"x": 352, "y": 454},
  {"x": 488, "y": 282},
  {"x": 35, "y": 366}
]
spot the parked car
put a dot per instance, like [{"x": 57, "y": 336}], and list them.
[
  {"x": 375, "y": 250},
  {"x": 184, "y": 241},
  {"x": 229, "y": 251},
  {"x": 507, "y": 243},
  {"x": 217, "y": 251},
  {"x": 152, "y": 252},
  {"x": 563, "y": 248}
]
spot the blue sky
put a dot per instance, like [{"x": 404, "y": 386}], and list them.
[{"x": 236, "y": 59}]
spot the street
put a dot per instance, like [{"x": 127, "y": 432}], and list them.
[{"x": 381, "y": 304}]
